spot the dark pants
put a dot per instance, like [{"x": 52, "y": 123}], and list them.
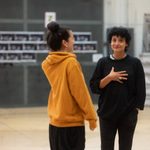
[
  {"x": 67, "y": 138},
  {"x": 125, "y": 127}
]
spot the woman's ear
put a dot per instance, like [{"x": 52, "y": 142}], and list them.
[
  {"x": 127, "y": 45},
  {"x": 64, "y": 43}
]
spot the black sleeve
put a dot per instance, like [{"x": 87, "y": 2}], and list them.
[
  {"x": 140, "y": 86},
  {"x": 96, "y": 77}
]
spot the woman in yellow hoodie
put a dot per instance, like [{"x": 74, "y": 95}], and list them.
[{"x": 69, "y": 102}]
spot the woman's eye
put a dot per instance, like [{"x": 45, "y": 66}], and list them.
[{"x": 114, "y": 40}]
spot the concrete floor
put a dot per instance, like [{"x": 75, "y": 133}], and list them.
[{"x": 27, "y": 129}]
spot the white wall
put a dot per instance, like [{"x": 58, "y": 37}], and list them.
[{"x": 128, "y": 13}]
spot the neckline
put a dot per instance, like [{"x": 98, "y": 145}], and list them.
[{"x": 113, "y": 58}]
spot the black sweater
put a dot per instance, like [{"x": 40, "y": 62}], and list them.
[{"x": 118, "y": 99}]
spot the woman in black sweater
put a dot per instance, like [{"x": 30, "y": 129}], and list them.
[{"x": 120, "y": 81}]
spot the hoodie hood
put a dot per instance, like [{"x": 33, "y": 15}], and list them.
[{"x": 58, "y": 57}]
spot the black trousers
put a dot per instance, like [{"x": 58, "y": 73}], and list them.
[
  {"x": 125, "y": 126},
  {"x": 67, "y": 138}
]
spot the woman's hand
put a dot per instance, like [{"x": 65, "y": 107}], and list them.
[
  {"x": 118, "y": 76},
  {"x": 92, "y": 124}
]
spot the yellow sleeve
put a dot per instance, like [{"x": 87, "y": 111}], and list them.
[{"x": 81, "y": 94}]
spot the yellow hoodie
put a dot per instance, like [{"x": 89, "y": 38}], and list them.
[{"x": 69, "y": 102}]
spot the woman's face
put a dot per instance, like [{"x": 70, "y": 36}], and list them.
[
  {"x": 70, "y": 42},
  {"x": 118, "y": 44}
]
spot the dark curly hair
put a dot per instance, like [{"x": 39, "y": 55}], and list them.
[{"x": 119, "y": 31}]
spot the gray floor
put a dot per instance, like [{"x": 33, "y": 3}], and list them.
[{"x": 27, "y": 129}]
